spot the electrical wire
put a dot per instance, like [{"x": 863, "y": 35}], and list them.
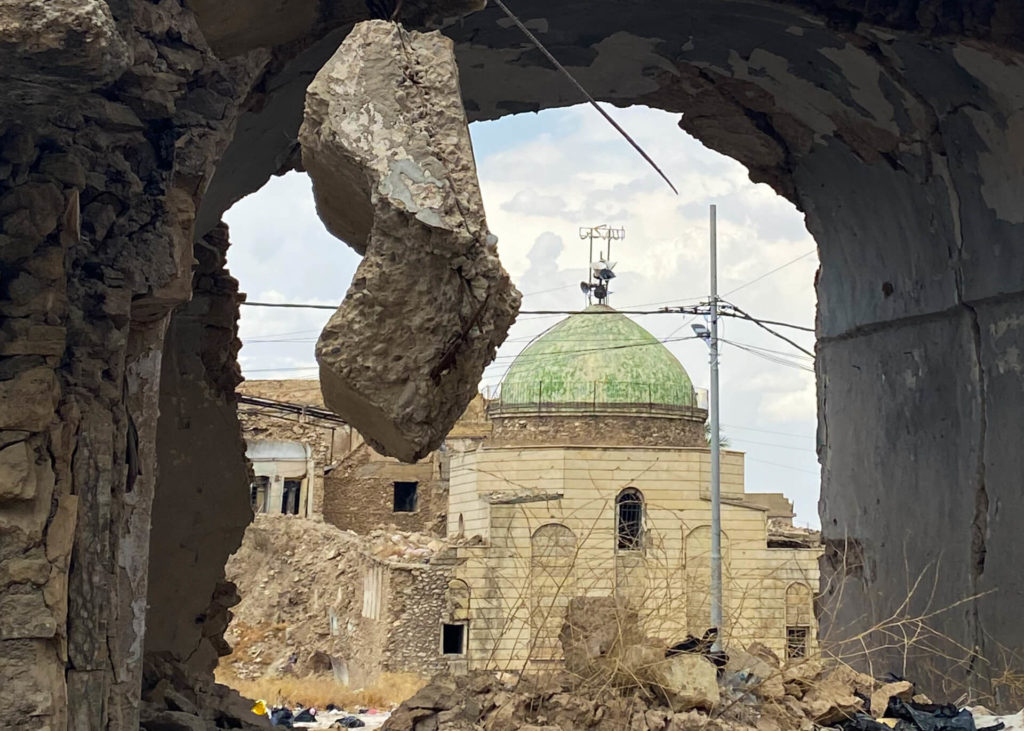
[
  {"x": 768, "y": 431},
  {"x": 783, "y": 466},
  {"x": 769, "y": 273},
  {"x": 761, "y": 324},
  {"x": 735, "y": 438},
  {"x": 680, "y": 310},
  {"x": 770, "y": 358},
  {"x": 586, "y": 94}
]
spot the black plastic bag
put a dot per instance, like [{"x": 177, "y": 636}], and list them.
[{"x": 930, "y": 716}]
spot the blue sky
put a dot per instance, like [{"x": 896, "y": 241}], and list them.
[{"x": 542, "y": 176}]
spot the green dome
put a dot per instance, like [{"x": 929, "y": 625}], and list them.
[{"x": 596, "y": 361}]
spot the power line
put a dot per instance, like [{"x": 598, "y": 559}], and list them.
[
  {"x": 761, "y": 325},
  {"x": 681, "y": 310},
  {"x": 768, "y": 431},
  {"x": 769, "y": 444},
  {"x": 771, "y": 358},
  {"x": 579, "y": 86},
  {"x": 769, "y": 273},
  {"x": 784, "y": 466}
]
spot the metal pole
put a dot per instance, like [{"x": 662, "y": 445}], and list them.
[
  {"x": 716, "y": 487},
  {"x": 590, "y": 269}
]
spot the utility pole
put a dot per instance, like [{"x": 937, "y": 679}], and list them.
[{"x": 716, "y": 476}]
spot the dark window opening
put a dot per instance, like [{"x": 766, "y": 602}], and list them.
[
  {"x": 405, "y": 497},
  {"x": 258, "y": 494},
  {"x": 453, "y": 639},
  {"x": 796, "y": 642},
  {"x": 629, "y": 518},
  {"x": 290, "y": 497}
]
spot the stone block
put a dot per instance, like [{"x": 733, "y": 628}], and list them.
[
  {"x": 21, "y": 570},
  {"x": 904, "y": 690},
  {"x": 25, "y": 616},
  {"x": 28, "y": 400},
  {"x": 60, "y": 535},
  {"x": 17, "y": 468},
  {"x": 26, "y": 693},
  {"x": 767, "y": 682},
  {"x": 20, "y": 336},
  {"x": 688, "y": 682},
  {"x": 430, "y": 302},
  {"x": 76, "y": 41}
]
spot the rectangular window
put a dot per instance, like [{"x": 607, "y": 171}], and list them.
[
  {"x": 258, "y": 494},
  {"x": 796, "y": 642},
  {"x": 453, "y": 639},
  {"x": 290, "y": 497},
  {"x": 405, "y": 497}
]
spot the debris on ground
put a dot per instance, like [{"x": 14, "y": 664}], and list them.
[
  {"x": 815, "y": 694},
  {"x": 293, "y": 574}
]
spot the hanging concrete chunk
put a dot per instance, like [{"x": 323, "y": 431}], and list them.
[{"x": 387, "y": 145}]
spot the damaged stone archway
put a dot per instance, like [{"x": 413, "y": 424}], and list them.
[{"x": 129, "y": 126}]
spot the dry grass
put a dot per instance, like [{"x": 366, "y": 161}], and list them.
[{"x": 319, "y": 690}]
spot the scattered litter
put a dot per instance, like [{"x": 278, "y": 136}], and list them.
[{"x": 306, "y": 715}]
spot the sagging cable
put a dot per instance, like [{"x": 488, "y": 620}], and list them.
[{"x": 579, "y": 86}]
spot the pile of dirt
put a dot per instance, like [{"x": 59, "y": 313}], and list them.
[
  {"x": 299, "y": 580},
  {"x": 807, "y": 696}
]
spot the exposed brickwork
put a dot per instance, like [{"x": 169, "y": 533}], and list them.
[
  {"x": 359, "y": 493},
  {"x": 417, "y": 602},
  {"x": 599, "y": 430}
]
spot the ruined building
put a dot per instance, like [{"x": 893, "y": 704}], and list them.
[
  {"x": 588, "y": 475},
  {"x": 129, "y": 126},
  {"x": 350, "y": 484}
]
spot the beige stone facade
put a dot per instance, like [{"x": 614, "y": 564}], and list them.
[
  {"x": 540, "y": 508},
  {"x": 555, "y": 524}
]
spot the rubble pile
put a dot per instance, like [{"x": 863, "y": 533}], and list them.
[
  {"x": 172, "y": 700},
  {"x": 800, "y": 696},
  {"x": 616, "y": 677},
  {"x": 402, "y": 546},
  {"x": 293, "y": 576}
]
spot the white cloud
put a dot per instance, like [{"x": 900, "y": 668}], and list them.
[{"x": 543, "y": 178}]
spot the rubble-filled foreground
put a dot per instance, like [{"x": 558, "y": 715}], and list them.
[{"x": 802, "y": 697}]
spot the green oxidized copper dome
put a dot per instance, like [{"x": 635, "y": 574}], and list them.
[{"x": 596, "y": 361}]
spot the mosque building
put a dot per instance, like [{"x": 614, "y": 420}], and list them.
[{"x": 595, "y": 482}]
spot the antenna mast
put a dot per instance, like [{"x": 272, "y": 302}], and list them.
[{"x": 600, "y": 272}]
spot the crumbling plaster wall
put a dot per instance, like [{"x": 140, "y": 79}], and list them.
[
  {"x": 112, "y": 117},
  {"x": 899, "y": 140},
  {"x": 198, "y": 519}
]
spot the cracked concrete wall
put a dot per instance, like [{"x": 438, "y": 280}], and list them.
[{"x": 898, "y": 133}]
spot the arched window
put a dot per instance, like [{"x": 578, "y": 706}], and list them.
[
  {"x": 552, "y": 585},
  {"x": 629, "y": 520}
]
